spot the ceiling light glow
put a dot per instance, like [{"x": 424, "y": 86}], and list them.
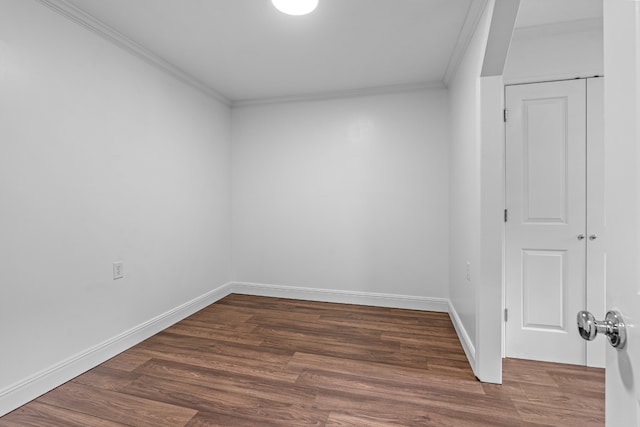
[{"x": 295, "y": 7}]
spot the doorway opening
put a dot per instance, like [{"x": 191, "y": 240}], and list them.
[{"x": 554, "y": 218}]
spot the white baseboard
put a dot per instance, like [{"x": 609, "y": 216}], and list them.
[
  {"x": 23, "y": 391},
  {"x": 463, "y": 336},
  {"x": 343, "y": 297}
]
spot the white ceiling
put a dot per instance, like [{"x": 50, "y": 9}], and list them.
[{"x": 246, "y": 50}]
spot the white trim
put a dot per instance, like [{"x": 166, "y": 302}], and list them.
[
  {"x": 464, "y": 38},
  {"x": 503, "y": 22},
  {"x": 343, "y": 297},
  {"x": 489, "y": 324},
  {"x": 93, "y": 24},
  {"x": 463, "y": 336},
  {"x": 348, "y": 93},
  {"x": 23, "y": 391},
  {"x": 542, "y": 78}
]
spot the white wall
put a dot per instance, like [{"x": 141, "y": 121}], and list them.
[
  {"x": 552, "y": 52},
  {"x": 102, "y": 158},
  {"x": 344, "y": 194},
  {"x": 465, "y": 178}
]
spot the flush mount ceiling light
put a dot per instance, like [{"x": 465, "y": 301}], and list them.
[{"x": 295, "y": 7}]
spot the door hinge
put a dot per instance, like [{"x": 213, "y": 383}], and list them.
[
  {"x": 504, "y": 115},
  {"x": 506, "y": 314},
  {"x": 505, "y": 215}
]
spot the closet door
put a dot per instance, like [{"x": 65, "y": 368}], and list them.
[{"x": 545, "y": 251}]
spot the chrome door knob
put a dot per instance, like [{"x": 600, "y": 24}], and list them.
[
  {"x": 612, "y": 326},
  {"x": 580, "y": 236},
  {"x": 593, "y": 237}
]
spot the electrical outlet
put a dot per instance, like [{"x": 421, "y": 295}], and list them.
[
  {"x": 468, "y": 271},
  {"x": 118, "y": 270}
]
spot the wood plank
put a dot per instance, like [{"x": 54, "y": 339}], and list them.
[
  {"x": 381, "y": 407},
  {"x": 430, "y": 419},
  {"x": 248, "y": 384},
  {"x": 228, "y": 403},
  {"x": 106, "y": 378},
  {"x": 117, "y": 407},
  {"x": 342, "y": 350},
  {"x": 210, "y": 346},
  {"x": 343, "y": 419},
  {"x": 293, "y": 417},
  {"x": 38, "y": 414},
  {"x": 125, "y": 361},
  {"x": 410, "y": 376},
  {"x": 241, "y": 334},
  {"x": 266, "y": 370},
  {"x": 402, "y": 395},
  {"x": 559, "y": 415},
  {"x": 305, "y": 325}
]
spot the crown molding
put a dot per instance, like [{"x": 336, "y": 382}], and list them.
[
  {"x": 93, "y": 24},
  {"x": 349, "y": 93},
  {"x": 464, "y": 37},
  {"x": 567, "y": 27}
]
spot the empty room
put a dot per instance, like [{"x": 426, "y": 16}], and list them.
[{"x": 319, "y": 212}]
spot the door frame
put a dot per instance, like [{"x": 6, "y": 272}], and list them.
[
  {"x": 591, "y": 360},
  {"x": 622, "y": 157}
]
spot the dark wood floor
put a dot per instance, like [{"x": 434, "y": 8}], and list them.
[{"x": 255, "y": 361}]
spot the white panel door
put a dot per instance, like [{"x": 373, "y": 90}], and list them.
[
  {"x": 545, "y": 231},
  {"x": 622, "y": 204}
]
